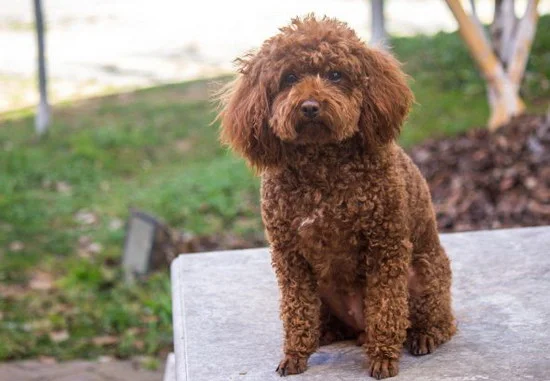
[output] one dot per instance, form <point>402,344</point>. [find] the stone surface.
<point>76,371</point>
<point>170,368</point>
<point>226,324</point>
<point>139,243</point>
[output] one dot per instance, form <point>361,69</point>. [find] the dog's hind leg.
<point>432,321</point>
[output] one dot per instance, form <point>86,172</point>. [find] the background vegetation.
<point>64,200</point>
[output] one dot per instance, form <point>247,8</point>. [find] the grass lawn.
<point>64,200</point>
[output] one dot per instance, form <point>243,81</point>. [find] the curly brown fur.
<point>349,217</point>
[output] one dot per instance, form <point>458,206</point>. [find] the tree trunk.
<point>502,63</point>
<point>503,29</point>
<point>43,112</point>
<point>520,45</point>
<point>379,35</point>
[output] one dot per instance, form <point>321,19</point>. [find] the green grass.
<point>154,150</point>
<point>63,199</point>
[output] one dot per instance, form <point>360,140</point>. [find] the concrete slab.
<point>170,368</point>
<point>226,321</point>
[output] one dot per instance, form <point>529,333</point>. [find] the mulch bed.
<point>478,180</point>
<point>483,180</point>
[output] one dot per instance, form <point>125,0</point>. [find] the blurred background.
<point>129,84</point>
<point>104,46</point>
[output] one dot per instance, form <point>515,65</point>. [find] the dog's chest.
<point>330,243</point>
<point>326,220</point>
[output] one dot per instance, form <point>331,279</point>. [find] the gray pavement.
<point>34,370</point>
<point>226,324</point>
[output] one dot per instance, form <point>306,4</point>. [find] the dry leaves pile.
<point>483,180</point>
<point>170,242</point>
<point>479,180</point>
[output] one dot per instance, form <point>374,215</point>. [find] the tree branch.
<point>477,42</point>
<point>503,28</point>
<point>502,94</point>
<point>521,45</point>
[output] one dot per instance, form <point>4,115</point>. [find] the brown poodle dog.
<point>349,217</point>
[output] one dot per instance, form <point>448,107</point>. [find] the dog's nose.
<point>310,108</point>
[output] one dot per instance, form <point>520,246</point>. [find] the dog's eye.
<point>334,76</point>
<point>290,79</point>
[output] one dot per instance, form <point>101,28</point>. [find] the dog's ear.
<point>244,117</point>
<point>386,97</point>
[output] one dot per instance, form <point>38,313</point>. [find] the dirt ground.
<point>35,370</point>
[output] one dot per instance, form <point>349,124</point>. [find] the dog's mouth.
<point>311,127</point>
<point>313,132</point>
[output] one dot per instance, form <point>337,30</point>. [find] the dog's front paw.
<point>292,364</point>
<point>383,368</point>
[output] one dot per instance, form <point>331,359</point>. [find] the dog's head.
<point>315,82</point>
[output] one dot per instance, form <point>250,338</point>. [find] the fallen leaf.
<point>12,290</point>
<point>59,336</point>
<point>16,246</point>
<point>84,217</point>
<point>134,331</point>
<point>86,247</point>
<point>104,359</point>
<point>183,145</point>
<point>63,309</point>
<point>150,319</point>
<point>95,248</point>
<point>102,341</point>
<point>84,241</point>
<point>63,187</point>
<point>41,281</point>
<point>115,224</point>
<point>47,360</point>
